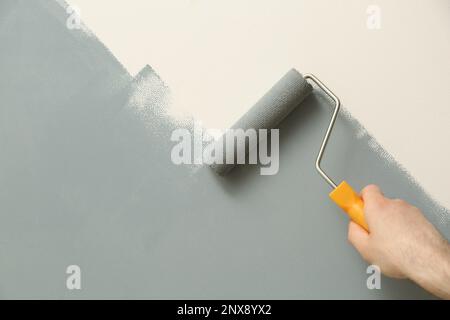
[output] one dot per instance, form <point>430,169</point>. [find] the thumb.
<point>373,201</point>
<point>359,238</point>
<point>372,194</point>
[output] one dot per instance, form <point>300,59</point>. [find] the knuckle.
<point>370,187</point>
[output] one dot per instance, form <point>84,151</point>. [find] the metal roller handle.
<point>330,127</point>
<point>343,194</point>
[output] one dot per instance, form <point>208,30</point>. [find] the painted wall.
<point>86,179</point>
<point>222,55</point>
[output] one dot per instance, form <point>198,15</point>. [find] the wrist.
<point>430,268</point>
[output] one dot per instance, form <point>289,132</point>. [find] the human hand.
<point>402,242</point>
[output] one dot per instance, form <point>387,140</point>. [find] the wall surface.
<point>86,179</point>
<point>220,56</point>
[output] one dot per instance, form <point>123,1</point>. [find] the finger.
<point>359,238</point>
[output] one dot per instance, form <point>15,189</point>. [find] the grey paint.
<point>86,179</point>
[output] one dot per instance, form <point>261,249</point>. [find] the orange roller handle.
<point>350,201</point>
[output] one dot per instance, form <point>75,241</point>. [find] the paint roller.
<point>284,97</point>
